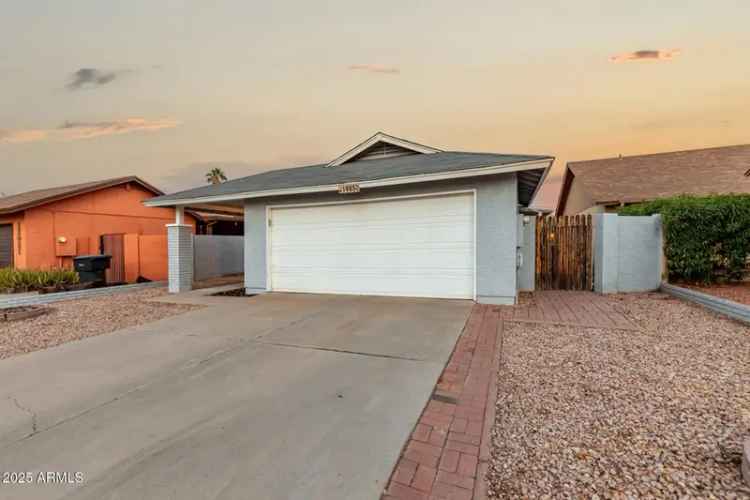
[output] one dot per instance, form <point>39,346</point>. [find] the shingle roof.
<point>647,177</point>
<point>357,171</point>
<point>29,199</point>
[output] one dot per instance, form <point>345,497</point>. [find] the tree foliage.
<point>706,237</point>
<point>215,176</point>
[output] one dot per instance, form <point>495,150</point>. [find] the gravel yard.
<point>597,413</point>
<point>77,319</point>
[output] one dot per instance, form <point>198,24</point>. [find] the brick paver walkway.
<point>446,456</point>
<point>562,307</point>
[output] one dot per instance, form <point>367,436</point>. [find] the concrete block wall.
<point>627,253</point>
<point>218,255</point>
<point>180,244</point>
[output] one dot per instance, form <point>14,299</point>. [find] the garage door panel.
<point>413,247</point>
<point>412,285</point>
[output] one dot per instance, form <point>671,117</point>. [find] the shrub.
<point>705,236</point>
<point>35,279</point>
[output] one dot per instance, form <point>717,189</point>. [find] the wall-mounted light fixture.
<point>62,240</point>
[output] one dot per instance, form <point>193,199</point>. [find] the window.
<point>18,238</point>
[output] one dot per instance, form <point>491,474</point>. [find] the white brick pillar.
<point>180,245</point>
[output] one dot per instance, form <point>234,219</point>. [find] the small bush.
<point>705,236</point>
<point>35,279</point>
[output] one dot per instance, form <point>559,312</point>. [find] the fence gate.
<point>564,253</point>
<point>113,244</point>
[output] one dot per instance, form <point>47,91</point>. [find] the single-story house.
<point>604,185</point>
<point>46,228</point>
<point>387,217</point>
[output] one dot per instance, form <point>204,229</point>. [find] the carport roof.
<point>401,168</point>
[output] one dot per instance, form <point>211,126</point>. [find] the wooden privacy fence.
<point>564,253</point>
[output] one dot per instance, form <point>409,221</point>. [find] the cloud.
<point>73,131</point>
<point>20,136</point>
<point>93,77</point>
<point>646,55</point>
<point>375,68</point>
<point>88,130</point>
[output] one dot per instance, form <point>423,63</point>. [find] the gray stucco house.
<point>387,217</point>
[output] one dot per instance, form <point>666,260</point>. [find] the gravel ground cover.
<point>738,292</point>
<point>77,319</point>
<point>597,413</point>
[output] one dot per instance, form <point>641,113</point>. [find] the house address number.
<point>349,188</point>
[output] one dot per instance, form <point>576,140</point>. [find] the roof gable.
<point>35,198</point>
<point>380,146</point>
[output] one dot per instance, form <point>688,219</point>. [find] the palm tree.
<point>215,176</point>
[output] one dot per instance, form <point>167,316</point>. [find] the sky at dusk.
<point>166,90</point>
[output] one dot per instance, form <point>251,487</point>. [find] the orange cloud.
<point>21,136</point>
<point>374,68</point>
<point>73,131</point>
<point>646,55</point>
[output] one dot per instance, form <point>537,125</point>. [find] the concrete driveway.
<point>275,396</point>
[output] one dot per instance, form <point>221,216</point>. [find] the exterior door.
<point>6,245</point>
<point>417,247</point>
<point>113,244</point>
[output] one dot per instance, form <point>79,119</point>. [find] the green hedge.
<point>35,279</point>
<point>707,237</point>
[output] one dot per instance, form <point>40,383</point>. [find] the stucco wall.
<point>578,200</point>
<point>496,221</point>
<point>82,220</point>
<point>627,253</point>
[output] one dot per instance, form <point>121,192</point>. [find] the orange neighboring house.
<point>46,228</point>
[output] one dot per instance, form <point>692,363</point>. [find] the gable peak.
<point>382,145</point>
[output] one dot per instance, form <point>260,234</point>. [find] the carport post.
<point>180,249</point>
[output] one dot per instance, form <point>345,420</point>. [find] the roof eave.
<point>104,185</point>
<point>536,164</point>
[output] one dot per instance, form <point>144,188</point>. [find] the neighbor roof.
<point>647,177</point>
<point>361,171</point>
<point>29,199</point>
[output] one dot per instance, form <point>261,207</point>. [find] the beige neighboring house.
<point>604,185</point>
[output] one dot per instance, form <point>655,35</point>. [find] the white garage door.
<point>415,247</point>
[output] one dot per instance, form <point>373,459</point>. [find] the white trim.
<point>368,200</point>
<point>411,179</point>
<point>381,137</point>
<point>438,194</point>
<point>476,244</point>
<point>268,248</point>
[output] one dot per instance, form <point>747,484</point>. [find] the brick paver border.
<point>447,454</point>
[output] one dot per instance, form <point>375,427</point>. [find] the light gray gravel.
<point>593,413</point>
<point>77,319</point>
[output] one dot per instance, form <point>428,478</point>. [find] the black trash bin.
<point>91,268</point>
